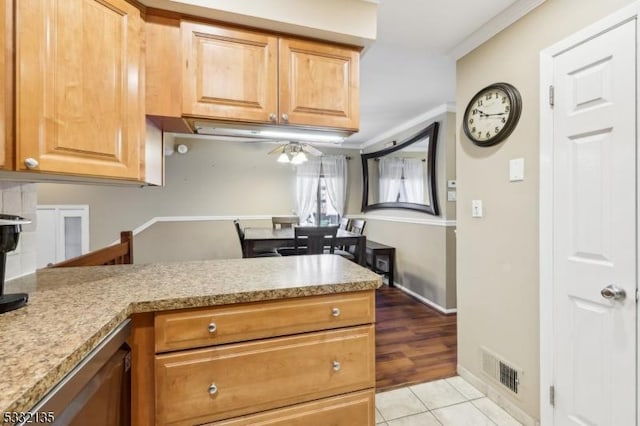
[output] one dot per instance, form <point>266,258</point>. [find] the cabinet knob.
<point>31,163</point>
<point>213,389</point>
<point>212,327</point>
<point>336,366</point>
<point>285,117</point>
<point>273,117</point>
<point>335,312</point>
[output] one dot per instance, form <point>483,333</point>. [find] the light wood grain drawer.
<point>187,329</point>
<point>227,381</point>
<point>354,409</point>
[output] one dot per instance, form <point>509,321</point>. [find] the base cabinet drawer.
<point>223,382</point>
<point>356,409</point>
<point>187,329</point>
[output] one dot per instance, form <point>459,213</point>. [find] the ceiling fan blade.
<point>311,150</point>
<point>279,150</point>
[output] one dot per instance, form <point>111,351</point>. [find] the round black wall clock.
<point>492,114</point>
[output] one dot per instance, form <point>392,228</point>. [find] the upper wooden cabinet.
<point>229,74</point>
<point>6,85</point>
<point>318,84</point>
<point>238,75</point>
<point>80,88</point>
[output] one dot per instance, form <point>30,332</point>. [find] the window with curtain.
<point>321,188</point>
<point>401,180</point>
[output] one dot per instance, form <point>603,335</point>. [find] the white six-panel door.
<point>594,231</point>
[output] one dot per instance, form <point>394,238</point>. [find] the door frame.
<point>547,55</point>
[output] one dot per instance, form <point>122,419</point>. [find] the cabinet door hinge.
<point>552,395</point>
<point>552,96</point>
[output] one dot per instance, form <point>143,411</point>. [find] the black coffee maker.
<point>10,228</point>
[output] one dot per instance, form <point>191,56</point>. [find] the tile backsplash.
<point>21,199</point>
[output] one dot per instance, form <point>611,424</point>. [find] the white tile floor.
<point>447,402</point>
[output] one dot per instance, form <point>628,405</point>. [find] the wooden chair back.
<point>357,226</point>
<point>284,221</point>
<point>240,232</point>
<point>344,224</point>
<point>315,238</point>
<point>118,254</point>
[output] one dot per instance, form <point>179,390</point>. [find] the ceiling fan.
<point>294,152</point>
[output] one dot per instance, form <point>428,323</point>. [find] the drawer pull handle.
<point>335,312</point>
<point>212,327</point>
<point>213,389</point>
<point>336,366</point>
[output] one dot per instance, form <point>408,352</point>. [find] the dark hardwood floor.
<point>414,342</point>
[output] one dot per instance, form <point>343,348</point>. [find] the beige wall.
<point>425,253</point>
<point>213,179</point>
<point>497,255</point>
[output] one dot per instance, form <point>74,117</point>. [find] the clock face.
<point>492,114</point>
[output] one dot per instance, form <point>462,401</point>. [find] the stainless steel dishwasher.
<point>97,391</point>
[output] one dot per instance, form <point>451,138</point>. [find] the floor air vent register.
<point>501,371</point>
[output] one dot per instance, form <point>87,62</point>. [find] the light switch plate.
<point>452,196</point>
<point>516,169</point>
<point>476,208</point>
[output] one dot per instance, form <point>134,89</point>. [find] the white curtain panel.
<point>414,180</point>
<point>390,169</point>
<point>307,179</point>
<point>334,170</point>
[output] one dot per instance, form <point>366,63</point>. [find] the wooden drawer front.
<point>346,410</point>
<point>262,375</point>
<point>189,329</point>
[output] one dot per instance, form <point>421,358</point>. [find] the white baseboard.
<point>426,301</point>
<point>494,395</point>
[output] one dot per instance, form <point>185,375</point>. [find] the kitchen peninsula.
<point>284,309</point>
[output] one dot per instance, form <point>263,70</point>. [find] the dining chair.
<point>257,253</point>
<point>314,239</point>
<point>357,227</point>
<point>344,223</point>
<point>279,222</point>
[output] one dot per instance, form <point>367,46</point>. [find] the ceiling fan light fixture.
<point>299,158</point>
<point>284,158</point>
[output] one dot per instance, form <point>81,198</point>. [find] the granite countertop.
<point>71,309</point>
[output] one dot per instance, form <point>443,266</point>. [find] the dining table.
<point>269,238</point>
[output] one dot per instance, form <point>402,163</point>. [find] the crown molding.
<point>422,118</point>
<point>496,24</point>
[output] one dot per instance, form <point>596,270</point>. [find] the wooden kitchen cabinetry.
<point>229,74</point>
<point>245,76</point>
<point>308,358</point>
<point>319,84</point>
<point>6,85</point>
<point>80,88</point>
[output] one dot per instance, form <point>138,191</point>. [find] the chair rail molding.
<point>448,223</point>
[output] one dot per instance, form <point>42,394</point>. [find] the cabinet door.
<point>229,74</point>
<point>6,85</point>
<point>80,95</point>
<point>319,85</point>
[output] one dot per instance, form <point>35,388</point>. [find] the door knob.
<point>611,292</point>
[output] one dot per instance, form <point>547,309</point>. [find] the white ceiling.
<point>409,69</point>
